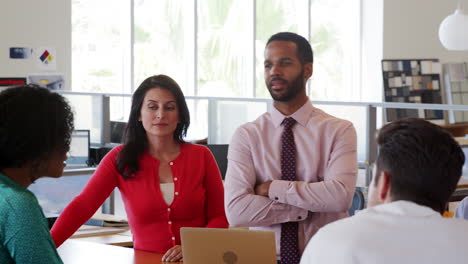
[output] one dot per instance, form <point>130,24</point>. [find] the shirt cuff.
<point>277,193</point>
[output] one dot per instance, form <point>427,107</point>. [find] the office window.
<point>276,16</point>
<point>225,37</point>
<point>211,47</point>
<point>335,38</point>
<point>164,41</point>
<point>99,46</point>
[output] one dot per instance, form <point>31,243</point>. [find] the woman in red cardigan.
<point>165,183</point>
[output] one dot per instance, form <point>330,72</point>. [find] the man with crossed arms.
<point>292,170</point>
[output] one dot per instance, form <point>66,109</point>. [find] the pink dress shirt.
<point>326,173</point>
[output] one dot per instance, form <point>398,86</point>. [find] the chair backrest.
<point>220,153</point>
<point>359,201</point>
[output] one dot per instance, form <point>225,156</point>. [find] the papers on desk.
<point>107,220</point>
<point>106,223</point>
<point>88,231</point>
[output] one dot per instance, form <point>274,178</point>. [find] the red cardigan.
<point>198,198</point>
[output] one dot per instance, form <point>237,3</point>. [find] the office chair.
<point>358,202</point>
<point>220,153</point>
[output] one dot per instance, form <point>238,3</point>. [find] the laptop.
<point>227,246</point>
<point>78,155</point>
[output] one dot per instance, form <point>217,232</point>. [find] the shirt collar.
<point>302,115</point>
<point>405,208</point>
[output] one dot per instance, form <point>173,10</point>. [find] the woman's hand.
<point>173,254</point>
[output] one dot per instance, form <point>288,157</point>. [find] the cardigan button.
<point>168,209</point>
<point>175,179</point>
<point>176,193</point>
<point>171,163</point>
<point>173,238</point>
<point>170,222</point>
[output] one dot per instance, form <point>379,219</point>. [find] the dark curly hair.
<point>34,124</point>
<point>135,141</point>
<point>424,162</point>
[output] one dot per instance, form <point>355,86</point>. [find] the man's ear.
<point>383,186</point>
<point>308,70</point>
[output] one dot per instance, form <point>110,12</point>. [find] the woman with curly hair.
<point>35,131</point>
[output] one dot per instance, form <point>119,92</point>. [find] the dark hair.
<point>423,160</point>
<point>303,49</point>
<point>135,141</point>
<point>34,123</point>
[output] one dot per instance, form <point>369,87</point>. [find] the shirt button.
<point>171,163</point>
<point>176,193</point>
<point>168,209</point>
<point>300,217</point>
<point>169,222</point>
<point>173,238</point>
<point>175,179</point>
<point>276,198</point>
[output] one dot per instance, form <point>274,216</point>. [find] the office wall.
<point>411,29</point>
<point>35,24</point>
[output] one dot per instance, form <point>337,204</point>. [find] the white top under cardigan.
<point>167,190</point>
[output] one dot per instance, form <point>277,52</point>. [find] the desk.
<point>81,171</point>
<point>80,252</point>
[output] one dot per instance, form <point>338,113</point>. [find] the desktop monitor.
<point>465,166</point>
<point>117,129</point>
<point>78,155</point>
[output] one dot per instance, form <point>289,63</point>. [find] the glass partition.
<point>54,194</point>
<point>357,116</point>
<point>198,129</point>
<point>216,119</point>
<point>226,116</point>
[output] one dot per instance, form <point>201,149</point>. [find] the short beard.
<point>294,89</point>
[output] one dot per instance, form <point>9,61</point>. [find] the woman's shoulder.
<point>194,148</point>
<point>111,155</point>
<point>21,202</point>
<point>196,151</point>
<point>116,150</point>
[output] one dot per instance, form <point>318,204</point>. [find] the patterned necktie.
<point>289,230</point>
